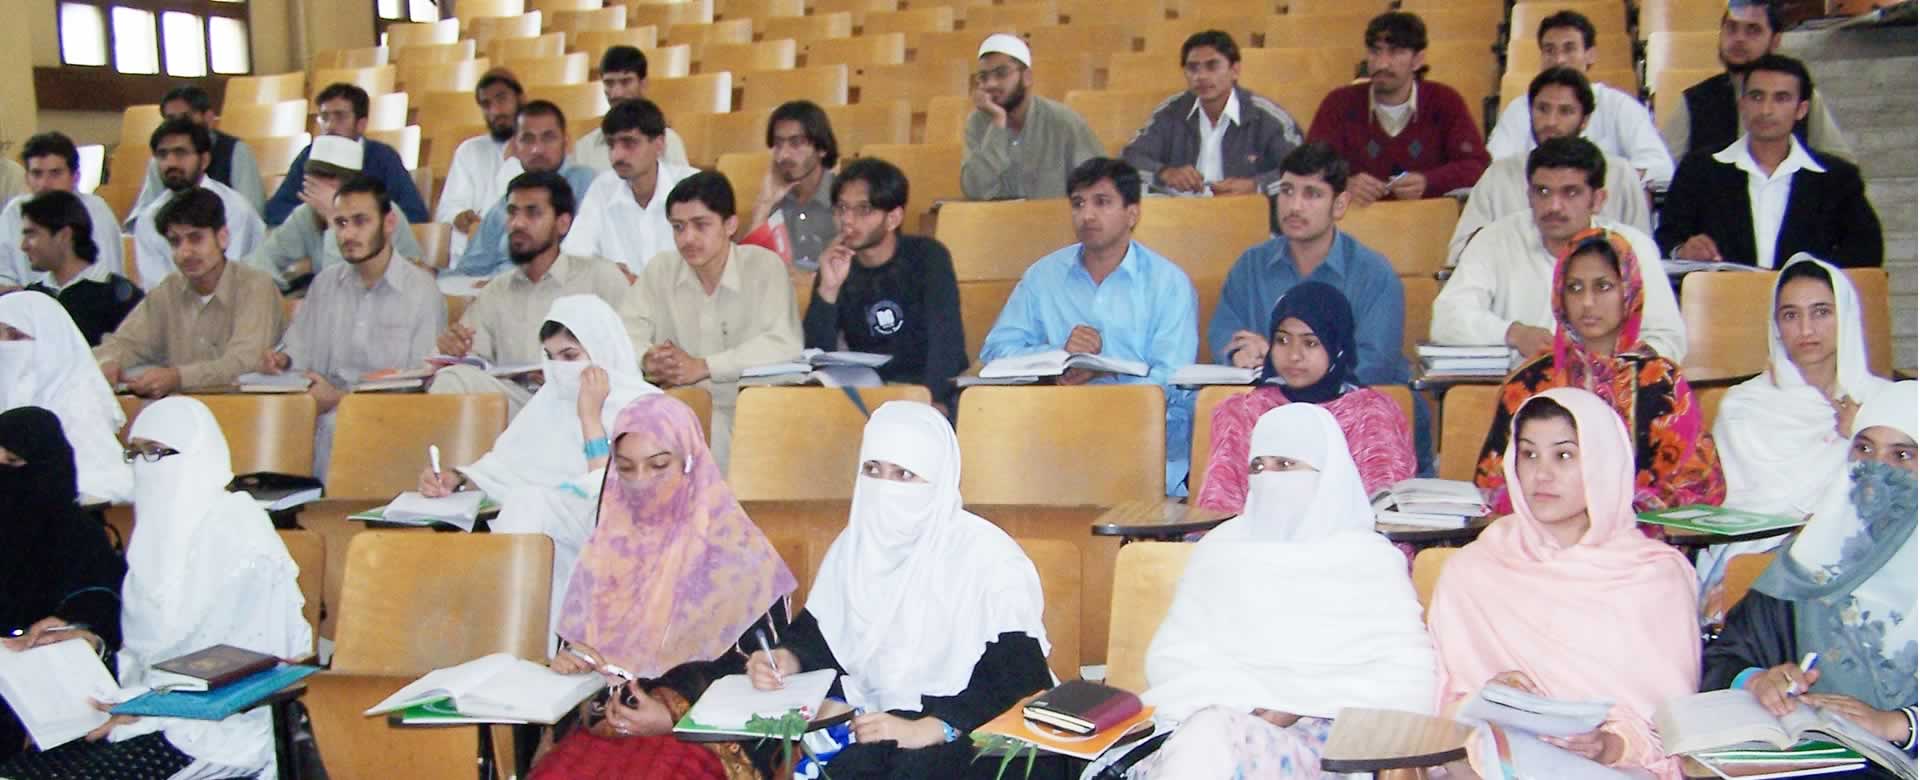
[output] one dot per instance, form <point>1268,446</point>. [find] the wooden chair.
<point>934,170</point>
<point>702,404</point>
<point>1079,12</point>
<point>1609,19</point>
<point>1190,8</point>
<point>825,85</point>
<point>1876,317</point>
<point>266,432</point>
<point>387,112</point>
<point>360,57</point>
<point>1094,39</point>
<point>1690,49</point>
<point>430,77</point>
<point>1167,225</point>
<point>772,424</point>
<point>593,19</point>
<point>782,54</point>
<point>1418,293</point>
<point>1020,17</point>
<point>309,552</point>
<point>1165,37</point>
<point>945,45</point>
<point>1742,570</point>
<point>488,9</point>
<point>548,8</point>
<point>730,31</point>
<point>248,120</point>
<point>947,119</point>
<point>434,239</point>
<point>707,92</point>
<point>1148,72</point>
<point>1144,578</point>
<point>1325,66</point>
<point>1427,565</point>
<point>405,140</point>
<point>1727,320</point>
<point>1658,16</point>
<point>744,170</point>
<point>761,10</point>
<point>1466,415</point>
<point>243,90</point>
<point>1411,233</point>
<point>738,133</point>
<point>527,48</point>
<point>934,19</point>
<point>916,82</point>
<point>1204,403</point>
<point>380,441</point>
<point>1514,85</point>
<point>867,123</point>
<point>565,70</point>
<point>1708,400</point>
<point>1092,444</point>
<point>858,9</point>
<point>1000,239</point>
<point>980,303</point>
<point>669,62</point>
<point>1116,116</point>
<point>1667,87</point>
<point>596,42</point>
<point>276,153</point>
<point>1058,563</point>
<point>432,53</point>
<point>809,29</point>
<point>1060,72</point>
<point>486,30</point>
<point>416,33</point>
<point>1479,25</point>
<point>376,81</point>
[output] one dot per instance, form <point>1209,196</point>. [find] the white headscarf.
<point>1296,605</point>
<point>542,447</point>
<point>1820,544</point>
<point>914,589</point>
<point>56,371</point>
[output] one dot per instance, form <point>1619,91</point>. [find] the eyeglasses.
<point>152,455</point>
<point>855,210</point>
<point>994,73</point>
<point>329,117</point>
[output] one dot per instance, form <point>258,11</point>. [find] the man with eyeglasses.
<point>1019,145</point>
<point>183,149</point>
<point>343,112</point>
<point>1217,137</point>
<point>233,163</point>
<point>882,292</point>
<point>304,245</point>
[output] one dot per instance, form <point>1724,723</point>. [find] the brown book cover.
<point>218,665</point>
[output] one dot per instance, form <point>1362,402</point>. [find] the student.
<point>56,568</point>
<point>623,217</point>
<point>1109,295</point>
<point>540,147</point>
<point>799,181</point>
<point>643,599</point>
<point>713,308</point>
<point>1312,360</point>
<point>1748,30</point>
<point>182,149</point>
<point>884,292</point>
<point>306,244</point>
<point>1218,136</point>
<point>53,165</point>
<point>343,112</point>
<point>474,181</point>
<point>46,364</point>
<point>1598,300</point>
<point>375,311</point>
<point>57,237</point>
<point>1563,598</point>
<point>175,605</point>
<point>201,327</point>
<point>1404,136</point>
<point>1344,630</point>
<point>1617,122</point>
<point>623,77</point>
<point>1843,587</point>
<point>1019,145</point>
<point>931,615</point>
<point>1798,199</point>
<point>232,161</point>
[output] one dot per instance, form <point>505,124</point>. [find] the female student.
<point>56,568</point>
<point>547,467</point>
<point>1311,360</point>
<point>931,615</point>
<point>1843,587</point>
<point>45,362</point>
<point>1252,686</point>
<point>1564,597</point>
<point>1597,304</point>
<point>673,586</point>
<point>177,603</point>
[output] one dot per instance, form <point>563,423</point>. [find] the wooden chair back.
<point>431,53</point>
<point>418,33</point>
<point>1094,39</point>
<point>309,552</point>
<point>1668,85</point>
<point>471,10</point>
<point>380,441</point>
<point>857,9</point>
<point>876,49</point>
<point>430,77</point>
<point>729,31</point>
<point>947,119</point>
<point>701,402</point>
<point>817,26</point>
<point>825,85</point>
<point>1205,402</point>
<point>531,47</point>
<point>934,170</point>
<point>980,305</point>
<point>1234,223</point>
<point>1000,239</point>
<point>387,112</point>
<point>1690,16</point>
<point>435,240</point>
<point>933,19</point>
<point>781,54</point>
<point>1144,578</point>
<point>1013,17</point>
<point>759,10</point>
<point>266,432</point>
<point>405,141</point>
<point>1116,116</point>
<point>1092,444</point>
<point>1412,234</point>
<point>1876,316</point>
<point>1147,72</point>
<point>376,80</point>
<point>1427,565</point>
<point>1058,563</point>
<point>916,82</point>
<point>706,93</point>
<point>772,424</point>
<point>595,19</point>
<point>276,153</point>
<point>596,42</point>
<point>243,90</point>
<point>866,123</point>
<point>1683,49</point>
<point>487,30</point>
<point>1418,293</point>
<point>251,120</point>
<point>1742,570</point>
<point>1466,415</point>
<point>565,70</point>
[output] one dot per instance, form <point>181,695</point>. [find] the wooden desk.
<point>1434,537</point>
<point>1171,520</point>
<point>1366,740</point>
<point>1691,540</point>
<point>1439,384</point>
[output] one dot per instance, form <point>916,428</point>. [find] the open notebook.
<point>1733,718</point>
<point>497,688</point>
<point>731,704</point>
<point>48,688</point>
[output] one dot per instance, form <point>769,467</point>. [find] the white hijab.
<point>914,589</point>
<point>1296,605</point>
<point>56,371</point>
<point>542,447</point>
<point>1778,445</point>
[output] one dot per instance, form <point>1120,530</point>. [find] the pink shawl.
<point>1612,617</point>
<point>675,571</point>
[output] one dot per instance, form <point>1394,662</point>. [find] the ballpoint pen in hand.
<point>433,458</point>
<point>771,663</point>
<point>1807,664</point>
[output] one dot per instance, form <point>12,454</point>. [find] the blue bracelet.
<point>952,734</point>
<point>1740,680</point>
<point>599,448</point>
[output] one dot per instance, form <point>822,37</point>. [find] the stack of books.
<point>1438,360</point>
<point>1430,503</point>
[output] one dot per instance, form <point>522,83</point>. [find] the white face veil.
<point>172,497</point>
<point>1301,504</point>
<point>55,370</point>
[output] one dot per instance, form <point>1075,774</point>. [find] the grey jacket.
<point>1252,148</point>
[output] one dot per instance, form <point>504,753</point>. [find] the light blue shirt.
<point>1146,310</point>
<point>486,253</point>
<point>1267,271</point>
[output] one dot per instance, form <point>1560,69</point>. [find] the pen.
<point>433,457</point>
<point>20,632</point>
<point>772,664</point>
<point>1807,664</point>
<point>607,669</point>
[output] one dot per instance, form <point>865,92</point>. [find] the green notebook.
<point>1719,521</point>
<point>1809,752</point>
<point>439,712</point>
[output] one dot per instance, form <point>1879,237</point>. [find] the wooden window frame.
<point>380,25</point>
<point>104,88</point>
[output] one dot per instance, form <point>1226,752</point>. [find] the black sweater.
<point>96,307</point>
<point>908,308</point>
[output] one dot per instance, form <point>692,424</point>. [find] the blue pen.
<point>1807,664</point>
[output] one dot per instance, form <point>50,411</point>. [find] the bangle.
<point>1740,680</point>
<point>598,448</point>
<point>1913,727</point>
<point>950,733</point>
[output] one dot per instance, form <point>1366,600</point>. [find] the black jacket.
<point>1827,214</point>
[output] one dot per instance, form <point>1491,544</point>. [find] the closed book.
<point>217,704</point>
<point>1082,707</point>
<point>208,669</point>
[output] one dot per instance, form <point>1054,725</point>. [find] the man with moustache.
<point>1019,145</point>
<point>540,146</point>
<point>474,181</point>
<point>343,111</point>
<point>304,245</point>
<point>882,292</point>
<point>232,164</point>
<point>623,217</point>
<point>1711,121</point>
<point>57,236</point>
<point>799,179</point>
<point>53,165</point>
<point>1217,137</point>
<point>183,149</point>
<point>375,311</point>
<point>1502,290</point>
<point>623,76</point>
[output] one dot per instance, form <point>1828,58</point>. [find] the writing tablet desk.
<point>1692,540</point>
<point>1170,520</point>
<point>1390,743</point>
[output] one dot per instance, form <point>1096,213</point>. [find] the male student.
<point>541,147</point>
<point>343,112</point>
<point>799,180</point>
<point>474,181</point>
<point>623,217</point>
<point>53,165</point>
<point>623,76</point>
<point>304,244</point>
<point>1562,103</point>
<point>1403,136</point>
<point>1618,123</point>
<point>374,311</point>
<point>1767,197</point>
<point>57,237</point>
<point>232,163</point>
<point>182,149</point>
<point>711,308</point>
<point>1108,295</point>
<point>1019,145</point>
<point>502,324</point>
<point>1216,137</point>
<point>883,292</point>
<point>1502,290</point>
<point>201,327</point>
<point>1711,121</point>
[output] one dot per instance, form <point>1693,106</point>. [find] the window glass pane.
<point>387,9</point>
<point>83,34</point>
<point>136,49</point>
<point>229,45</point>
<point>423,10</point>
<point>186,44</point>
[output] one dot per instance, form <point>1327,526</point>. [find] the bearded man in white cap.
<point>1019,145</point>
<point>305,244</point>
<point>182,149</point>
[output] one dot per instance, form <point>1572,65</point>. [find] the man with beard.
<point>304,245</point>
<point>799,179</point>
<point>183,150</point>
<point>1019,145</point>
<point>53,165</point>
<point>1617,122</point>
<point>882,292</point>
<point>1502,290</point>
<point>1217,137</point>
<point>540,147</point>
<point>623,76</point>
<point>623,217</point>
<point>474,181</point>
<point>204,326</point>
<point>233,163</point>
<point>57,237</point>
<point>343,112</point>
<point>1403,136</point>
<point>375,311</point>
<point>1711,121</point>
<point>502,325</point>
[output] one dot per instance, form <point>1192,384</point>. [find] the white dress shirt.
<point>1768,194</point>
<point>473,183</point>
<point>153,257</point>
<point>1620,126</point>
<point>16,270</point>
<point>1212,134</point>
<point>1502,190</point>
<point>611,225</point>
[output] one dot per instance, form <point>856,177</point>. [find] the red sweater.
<point>1440,142</point>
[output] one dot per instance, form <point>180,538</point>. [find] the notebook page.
<point>731,701</point>
<point>48,687</point>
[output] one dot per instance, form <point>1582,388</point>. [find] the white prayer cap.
<point>338,152</point>
<point>1008,44</point>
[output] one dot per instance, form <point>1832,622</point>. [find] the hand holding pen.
<point>1778,688</point>
<point>768,668</point>
<point>48,631</point>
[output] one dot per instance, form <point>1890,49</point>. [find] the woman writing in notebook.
<point>45,362</point>
<point>1843,587</point>
<point>1597,305</point>
<point>931,614</point>
<point>1311,359</point>
<point>1564,598</point>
